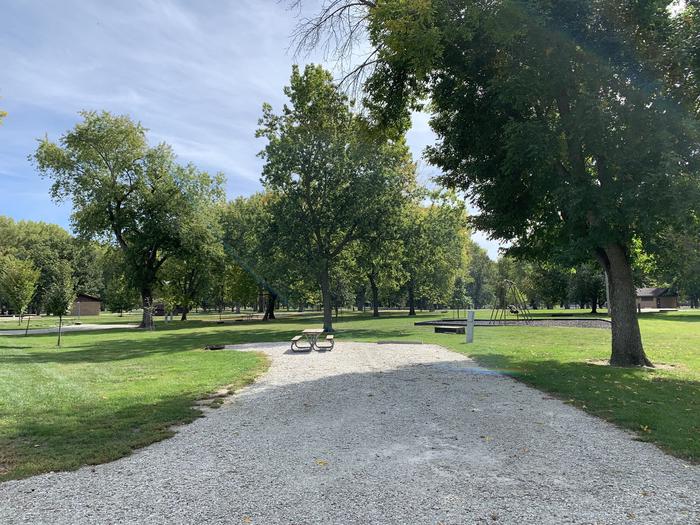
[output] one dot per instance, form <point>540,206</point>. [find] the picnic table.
<point>312,335</point>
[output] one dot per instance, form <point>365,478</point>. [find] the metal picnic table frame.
<point>311,335</point>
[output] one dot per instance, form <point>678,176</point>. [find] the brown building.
<point>656,298</point>
<point>85,305</point>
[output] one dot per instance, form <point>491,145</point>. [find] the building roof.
<point>656,292</point>
<point>81,297</point>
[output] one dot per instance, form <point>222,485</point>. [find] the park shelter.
<point>656,298</point>
<point>85,304</point>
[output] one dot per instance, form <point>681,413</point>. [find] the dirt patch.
<point>657,366</point>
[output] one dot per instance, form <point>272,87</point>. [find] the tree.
<point>380,253</point>
<point>191,271</point>
<point>481,271</point>
<point>120,295</point>
<point>41,243</point>
<point>330,176</point>
<point>460,294</point>
<point>572,126</point>
<point>60,294</point>
<point>18,282</point>
<point>435,239</point>
<point>88,261</point>
<point>242,288</point>
<point>251,243</point>
<point>678,260</point>
<point>381,259</point>
<point>546,282</point>
<point>587,286</point>
<point>124,190</point>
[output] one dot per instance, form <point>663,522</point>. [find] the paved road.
<point>70,328</point>
<point>395,434</point>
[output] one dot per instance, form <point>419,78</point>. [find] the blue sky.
<point>195,73</point>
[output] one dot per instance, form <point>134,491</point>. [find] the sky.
<point>194,73</point>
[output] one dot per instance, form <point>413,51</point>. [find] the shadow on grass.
<point>175,337</point>
<point>87,435</point>
<point>97,433</point>
<point>693,317</point>
<point>161,342</point>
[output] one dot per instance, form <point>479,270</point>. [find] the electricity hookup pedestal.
<point>470,326</point>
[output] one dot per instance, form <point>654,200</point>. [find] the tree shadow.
<point>72,436</point>
<point>439,395</point>
<point>172,338</point>
<point>85,349</point>
<point>657,405</point>
<point>692,317</point>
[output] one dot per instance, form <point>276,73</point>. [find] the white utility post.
<point>470,326</point>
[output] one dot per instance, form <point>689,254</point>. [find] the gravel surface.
<point>376,434</point>
<point>568,323</point>
<point>70,328</point>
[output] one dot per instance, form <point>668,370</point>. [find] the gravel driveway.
<point>370,433</point>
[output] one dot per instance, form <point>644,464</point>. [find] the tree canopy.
<point>333,180</point>
<point>60,293</point>
<point>571,125</point>
<point>18,282</point>
<point>126,191</point>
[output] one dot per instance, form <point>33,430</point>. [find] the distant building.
<point>657,298</point>
<point>85,304</point>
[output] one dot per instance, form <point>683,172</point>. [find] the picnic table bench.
<point>312,335</point>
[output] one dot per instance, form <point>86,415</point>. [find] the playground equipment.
<point>510,302</point>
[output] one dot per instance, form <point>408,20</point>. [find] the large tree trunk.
<point>411,300</point>
<point>183,317</point>
<point>326,294</point>
<point>627,349</point>
<point>594,305</point>
<point>375,295</point>
<point>270,308</point>
<point>147,305</point>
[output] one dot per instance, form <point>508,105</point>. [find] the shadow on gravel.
<point>658,406</point>
<point>94,431</point>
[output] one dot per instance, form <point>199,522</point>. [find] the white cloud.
<point>194,73</point>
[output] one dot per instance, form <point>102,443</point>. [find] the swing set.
<point>510,302</point>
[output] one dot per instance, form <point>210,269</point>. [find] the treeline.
<point>574,144</point>
<point>34,255</point>
<point>341,221</point>
<point>543,285</point>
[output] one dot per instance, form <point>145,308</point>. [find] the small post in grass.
<point>470,326</point>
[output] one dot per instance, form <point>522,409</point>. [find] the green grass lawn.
<point>105,393</point>
<point>48,321</point>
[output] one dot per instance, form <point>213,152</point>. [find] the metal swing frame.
<point>509,301</point>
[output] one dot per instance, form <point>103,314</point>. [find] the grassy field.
<point>47,321</point>
<point>105,393</point>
